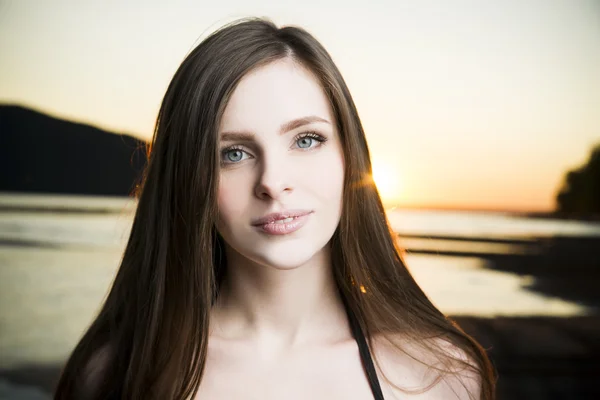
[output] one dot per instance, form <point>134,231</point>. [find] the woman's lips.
<point>282,223</point>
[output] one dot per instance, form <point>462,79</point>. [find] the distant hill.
<point>39,153</point>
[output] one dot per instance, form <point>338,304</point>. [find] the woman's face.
<point>282,168</point>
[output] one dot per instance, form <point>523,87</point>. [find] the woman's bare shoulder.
<point>411,366</point>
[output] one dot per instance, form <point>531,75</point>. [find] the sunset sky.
<point>466,104</point>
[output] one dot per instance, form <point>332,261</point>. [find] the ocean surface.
<point>59,254</point>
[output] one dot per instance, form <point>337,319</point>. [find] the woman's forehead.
<point>274,94</point>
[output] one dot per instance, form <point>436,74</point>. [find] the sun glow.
<point>387,182</point>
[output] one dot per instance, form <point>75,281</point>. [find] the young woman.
<point>260,263</point>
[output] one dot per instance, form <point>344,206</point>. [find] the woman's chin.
<point>285,260</point>
<point>280,254</point>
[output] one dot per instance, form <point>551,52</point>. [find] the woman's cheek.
<point>234,194</point>
<point>328,174</point>
<point>225,197</point>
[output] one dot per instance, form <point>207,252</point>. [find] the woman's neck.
<point>280,307</point>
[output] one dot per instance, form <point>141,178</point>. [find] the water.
<point>56,268</point>
<point>487,225</point>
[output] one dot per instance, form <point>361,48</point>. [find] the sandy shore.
<point>54,260</point>
<point>536,358</point>
<point>541,357</point>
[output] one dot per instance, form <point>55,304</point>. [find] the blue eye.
<point>232,156</point>
<point>309,140</point>
<point>305,142</point>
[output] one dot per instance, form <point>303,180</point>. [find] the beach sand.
<point>536,357</point>
<point>55,270</point>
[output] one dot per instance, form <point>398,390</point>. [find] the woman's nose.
<point>274,178</point>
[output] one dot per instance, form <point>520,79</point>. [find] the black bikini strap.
<point>365,355</point>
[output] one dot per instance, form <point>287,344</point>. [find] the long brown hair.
<point>152,330</point>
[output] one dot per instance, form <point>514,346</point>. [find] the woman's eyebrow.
<point>297,123</point>
<point>242,136</point>
<point>237,137</point>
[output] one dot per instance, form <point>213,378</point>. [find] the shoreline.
<point>71,203</point>
<point>536,358</point>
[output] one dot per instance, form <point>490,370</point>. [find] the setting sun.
<point>387,181</point>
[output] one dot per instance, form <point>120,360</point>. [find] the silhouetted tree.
<point>580,192</point>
